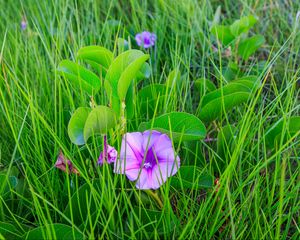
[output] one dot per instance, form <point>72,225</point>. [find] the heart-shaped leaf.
<point>242,25</point>
<point>130,102</point>
<point>129,74</point>
<point>54,231</point>
<point>228,97</point>
<point>79,76</point>
<point>191,177</point>
<point>115,72</point>
<point>117,67</point>
<point>180,125</point>
<point>205,86</point>
<point>96,55</point>
<point>223,34</point>
<point>249,46</point>
<point>76,125</point>
<point>173,78</point>
<point>144,72</point>
<point>289,128</point>
<point>99,121</point>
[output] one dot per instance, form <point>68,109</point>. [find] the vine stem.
<point>155,196</point>
<point>123,118</point>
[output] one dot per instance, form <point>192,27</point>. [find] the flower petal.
<point>131,152</point>
<point>149,138</point>
<point>164,170</point>
<point>145,180</point>
<point>163,143</point>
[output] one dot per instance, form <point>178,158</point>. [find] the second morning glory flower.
<point>148,158</point>
<point>111,155</point>
<point>145,39</point>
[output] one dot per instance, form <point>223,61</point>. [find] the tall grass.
<point>258,195</point>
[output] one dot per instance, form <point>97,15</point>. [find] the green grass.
<point>258,196</point>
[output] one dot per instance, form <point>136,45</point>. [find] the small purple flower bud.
<point>111,155</point>
<point>23,24</point>
<point>62,162</point>
<point>145,39</point>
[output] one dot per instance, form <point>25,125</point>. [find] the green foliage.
<point>99,121</point>
<point>150,96</point>
<point>250,45</point>
<point>234,35</point>
<point>86,122</point>
<point>282,130</point>
<point>99,57</point>
<point>256,196</point>
<point>179,125</point>
<point>224,99</point>
<point>226,140</point>
<point>76,125</point>
<point>155,222</point>
<point>129,74</point>
<point>80,76</point>
<point>205,86</point>
<point>192,177</point>
<point>9,231</point>
<point>223,34</point>
<point>242,25</point>
<point>54,231</point>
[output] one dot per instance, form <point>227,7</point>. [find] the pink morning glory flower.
<point>111,155</point>
<point>145,39</point>
<point>62,162</point>
<point>148,158</point>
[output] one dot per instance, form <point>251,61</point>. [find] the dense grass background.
<point>258,196</point>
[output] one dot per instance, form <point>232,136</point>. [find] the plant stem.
<point>155,196</point>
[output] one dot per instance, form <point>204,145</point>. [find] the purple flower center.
<point>150,160</point>
<point>147,40</point>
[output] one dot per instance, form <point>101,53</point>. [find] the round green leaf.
<point>205,86</point>
<point>129,74</point>
<point>96,54</point>
<point>99,121</point>
<point>114,73</point>
<point>242,25</point>
<point>223,34</point>
<point>130,102</point>
<point>249,46</point>
<point>182,126</point>
<point>76,125</point>
<point>191,177</point>
<point>145,72</point>
<point>56,231</point>
<point>79,76</point>
<point>230,96</point>
<point>173,78</point>
<point>117,67</point>
<point>290,128</point>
